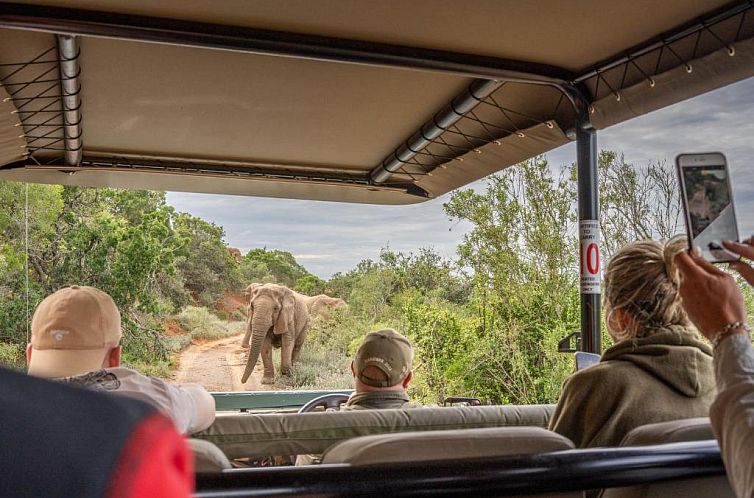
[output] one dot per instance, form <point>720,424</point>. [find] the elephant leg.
<point>298,346</point>
<point>269,368</point>
<point>286,354</point>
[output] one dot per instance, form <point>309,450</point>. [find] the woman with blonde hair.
<point>658,368</point>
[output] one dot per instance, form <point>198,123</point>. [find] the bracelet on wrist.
<point>727,330</point>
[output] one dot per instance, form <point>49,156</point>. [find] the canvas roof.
<point>174,96</point>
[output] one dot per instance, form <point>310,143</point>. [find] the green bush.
<point>320,368</point>
<point>201,324</point>
<point>12,356</point>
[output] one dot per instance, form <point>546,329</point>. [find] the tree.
<point>428,272</point>
<point>280,265</point>
<point>521,253</point>
<point>310,285</point>
<point>119,241</point>
<point>207,267</point>
<point>636,203</point>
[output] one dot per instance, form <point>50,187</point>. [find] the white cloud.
<point>332,237</point>
<point>306,257</point>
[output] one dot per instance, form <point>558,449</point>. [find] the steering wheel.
<point>332,400</point>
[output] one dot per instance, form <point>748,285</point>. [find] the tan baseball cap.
<point>387,350</point>
<point>71,332</point>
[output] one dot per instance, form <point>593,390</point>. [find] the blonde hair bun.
<point>672,248</point>
<point>641,279</point>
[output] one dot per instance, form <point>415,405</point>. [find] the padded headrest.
<point>676,431</point>
<point>208,457</point>
<point>254,435</point>
<point>445,445</point>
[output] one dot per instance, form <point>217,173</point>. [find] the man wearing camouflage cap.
<point>382,372</point>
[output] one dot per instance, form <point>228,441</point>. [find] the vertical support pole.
<point>589,237</point>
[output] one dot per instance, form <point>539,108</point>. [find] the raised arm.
<point>715,304</point>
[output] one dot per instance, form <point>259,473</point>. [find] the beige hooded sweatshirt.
<point>667,375</point>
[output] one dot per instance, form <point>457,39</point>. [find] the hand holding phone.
<point>707,200</point>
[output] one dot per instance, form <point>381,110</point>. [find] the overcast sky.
<point>328,237</point>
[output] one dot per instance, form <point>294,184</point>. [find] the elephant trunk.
<point>258,333</point>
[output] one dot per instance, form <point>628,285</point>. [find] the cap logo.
<point>381,361</point>
<point>59,335</point>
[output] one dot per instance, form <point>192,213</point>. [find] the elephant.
<point>277,317</point>
<point>321,304</point>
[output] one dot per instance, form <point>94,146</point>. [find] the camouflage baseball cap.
<point>388,351</point>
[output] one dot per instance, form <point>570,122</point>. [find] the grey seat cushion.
<point>445,445</point>
<point>208,457</point>
<point>676,431</point>
<point>254,435</point>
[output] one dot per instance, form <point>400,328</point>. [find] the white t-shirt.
<point>190,406</point>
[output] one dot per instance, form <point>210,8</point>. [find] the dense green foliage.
<point>205,264</point>
<point>280,267</point>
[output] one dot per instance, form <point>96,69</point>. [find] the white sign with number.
<point>589,256</point>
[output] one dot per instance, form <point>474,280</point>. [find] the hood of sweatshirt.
<point>674,355</point>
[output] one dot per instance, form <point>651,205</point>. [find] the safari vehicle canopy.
<point>352,101</point>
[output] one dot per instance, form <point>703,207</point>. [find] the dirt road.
<point>218,366</point>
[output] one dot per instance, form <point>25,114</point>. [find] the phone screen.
<point>709,210</point>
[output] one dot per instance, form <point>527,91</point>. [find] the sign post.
<point>589,238</point>
<point>589,256</point>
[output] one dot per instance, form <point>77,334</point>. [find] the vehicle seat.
<point>208,458</point>
<point>691,429</point>
<point>241,435</point>
<point>447,445</point>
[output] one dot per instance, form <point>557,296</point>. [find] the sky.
<point>329,237</point>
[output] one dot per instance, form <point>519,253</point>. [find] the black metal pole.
<point>589,237</point>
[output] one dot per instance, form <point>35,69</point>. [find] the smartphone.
<point>707,200</point>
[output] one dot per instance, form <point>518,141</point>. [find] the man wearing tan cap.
<point>382,372</point>
<point>75,338</point>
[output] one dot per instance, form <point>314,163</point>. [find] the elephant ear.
<point>287,312</point>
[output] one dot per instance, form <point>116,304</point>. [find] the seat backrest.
<point>445,445</point>
<point>676,431</point>
<point>691,429</point>
<point>448,445</point>
<point>256,435</point>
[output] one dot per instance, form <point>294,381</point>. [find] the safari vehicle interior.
<point>368,102</point>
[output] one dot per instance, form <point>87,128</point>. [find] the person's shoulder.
<point>598,374</point>
<point>124,372</point>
